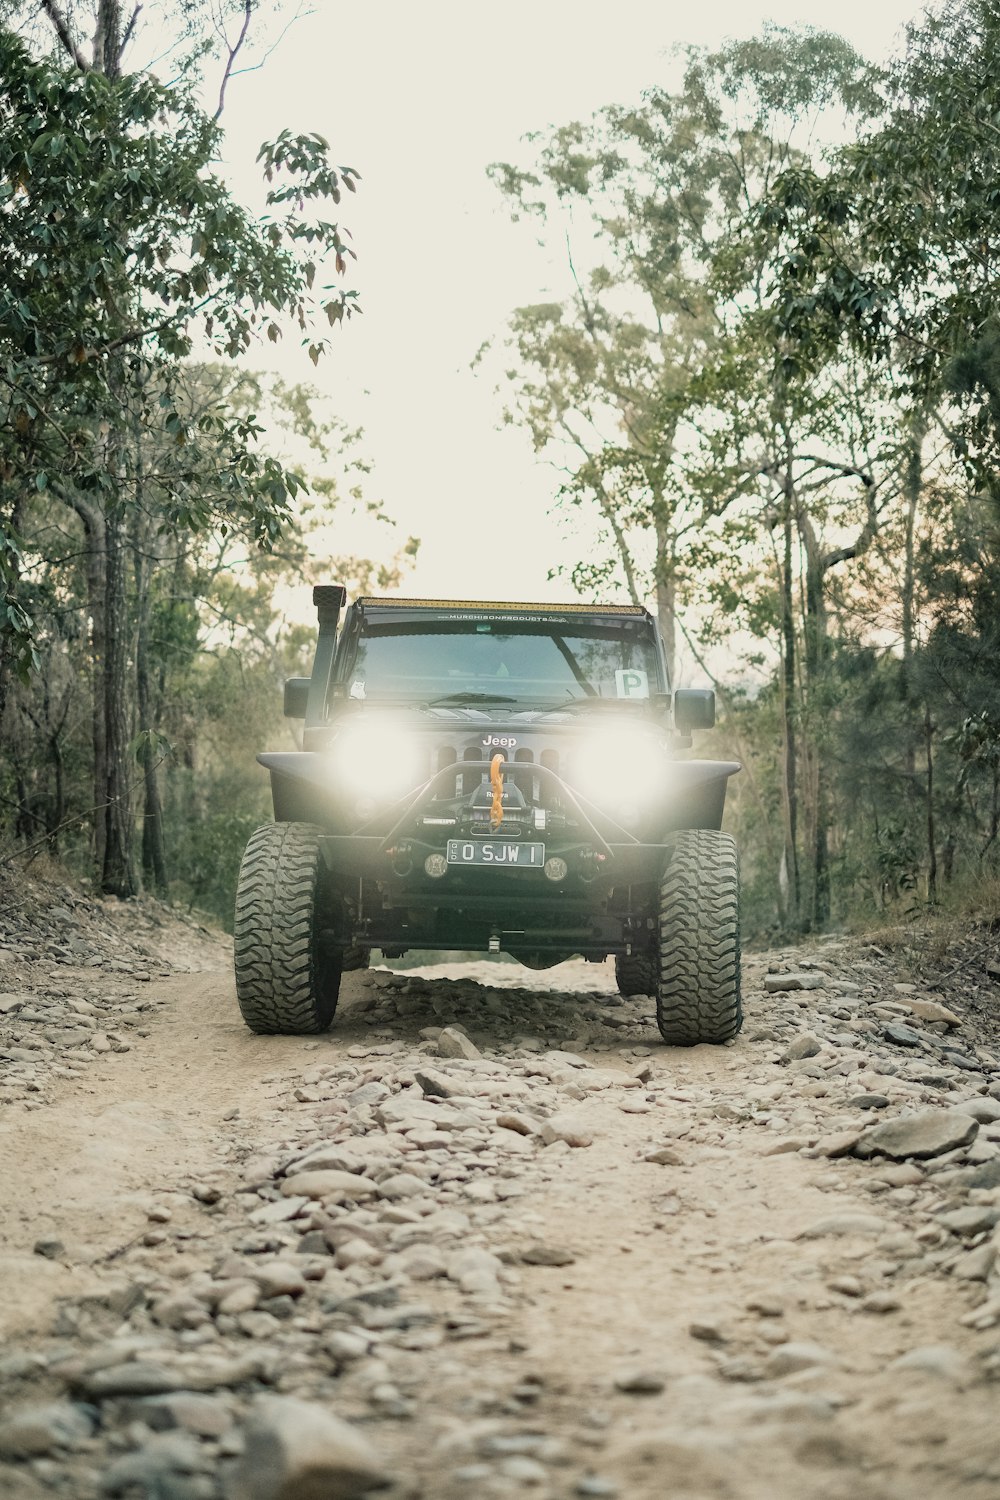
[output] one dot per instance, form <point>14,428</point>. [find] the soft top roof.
<point>502,606</point>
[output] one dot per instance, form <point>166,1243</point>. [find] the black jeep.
<point>499,778</point>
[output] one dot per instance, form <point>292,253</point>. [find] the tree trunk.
<point>108,38</point>
<point>119,875</point>
<point>931,831</point>
<point>912,485</point>
<point>666,597</point>
<point>154,858</point>
<point>816,660</point>
<point>95,538</point>
<point>11,507</point>
<point>788,695</point>
<point>59,800</point>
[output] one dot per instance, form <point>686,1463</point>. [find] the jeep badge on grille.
<point>499,741</point>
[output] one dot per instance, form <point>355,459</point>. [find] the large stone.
<point>926,1133</point>
<point>975,1219</point>
<point>342,1186</point>
<point>135,1378</point>
<point>205,1416</point>
<point>297,1450</point>
<point>840,1143</point>
<point>454,1043</point>
<point>793,1358</point>
<point>29,1431</point>
<point>802,1046</point>
<point>328,1156</point>
<point>199,1372</point>
<point>929,1010</point>
<point>435,1084</point>
<point>165,1466</point>
<point>401,1185</point>
<point>976,1265</point>
<point>567,1127</point>
<point>939,1361</point>
<point>902,1036</point>
<point>278,1278</point>
<point>986,1111</point>
<point>844,1225</point>
<point>802,981</point>
<point>540,1253</point>
<point>408,1108</point>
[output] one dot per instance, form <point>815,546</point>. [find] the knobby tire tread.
<point>698,993</point>
<point>635,974</point>
<point>285,984</point>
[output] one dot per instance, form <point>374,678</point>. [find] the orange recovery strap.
<point>496,781</point>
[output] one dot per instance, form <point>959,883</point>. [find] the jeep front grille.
<point>519,772</point>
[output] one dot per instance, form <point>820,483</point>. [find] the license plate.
<point>495,852</point>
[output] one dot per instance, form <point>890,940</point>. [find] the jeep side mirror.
<point>694,708</point>
<point>296,697</point>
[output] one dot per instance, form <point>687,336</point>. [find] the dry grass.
<point>962,932</point>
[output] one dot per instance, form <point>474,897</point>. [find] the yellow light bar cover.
<point>550,609</point>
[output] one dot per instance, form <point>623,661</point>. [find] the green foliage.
<point>640,368</point>
<point>775,385</point>
<point>149,515</point>
<point>892,249</point>
<point>121,247</point>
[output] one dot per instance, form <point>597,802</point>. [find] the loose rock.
<point>297,1450</point>
<point>927,1133</point>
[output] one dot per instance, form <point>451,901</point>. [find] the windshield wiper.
<point>570,705</point>
<point>469,698</point>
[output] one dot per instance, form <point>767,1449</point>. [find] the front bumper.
<point>394,846</point>
<point>604,903</point>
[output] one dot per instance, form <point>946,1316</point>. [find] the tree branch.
<point>838,468</point>
<point>233,54</point>
<point>64,34</point>
<point>127,33</point>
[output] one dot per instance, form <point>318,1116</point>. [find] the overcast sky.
<point>420,98</point>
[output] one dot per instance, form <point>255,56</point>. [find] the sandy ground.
<point>701,1338</point>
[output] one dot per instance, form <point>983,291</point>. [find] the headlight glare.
<point>377,762</point>
<point>616,766</point>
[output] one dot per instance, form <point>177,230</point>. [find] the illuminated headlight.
<point>620,765</point>
<point>377,763</point>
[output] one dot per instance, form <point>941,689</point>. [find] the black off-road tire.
<point>698,989</point>
<point>355,958</point>
<point>287,978</point>
<point>636,974</point>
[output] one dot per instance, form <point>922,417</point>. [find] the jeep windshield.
<point>533,664</point>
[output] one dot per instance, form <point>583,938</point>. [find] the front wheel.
<point>698,983</point>
<point>287,976</point>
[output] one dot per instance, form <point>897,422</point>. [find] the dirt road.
<point>497,1228</point>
